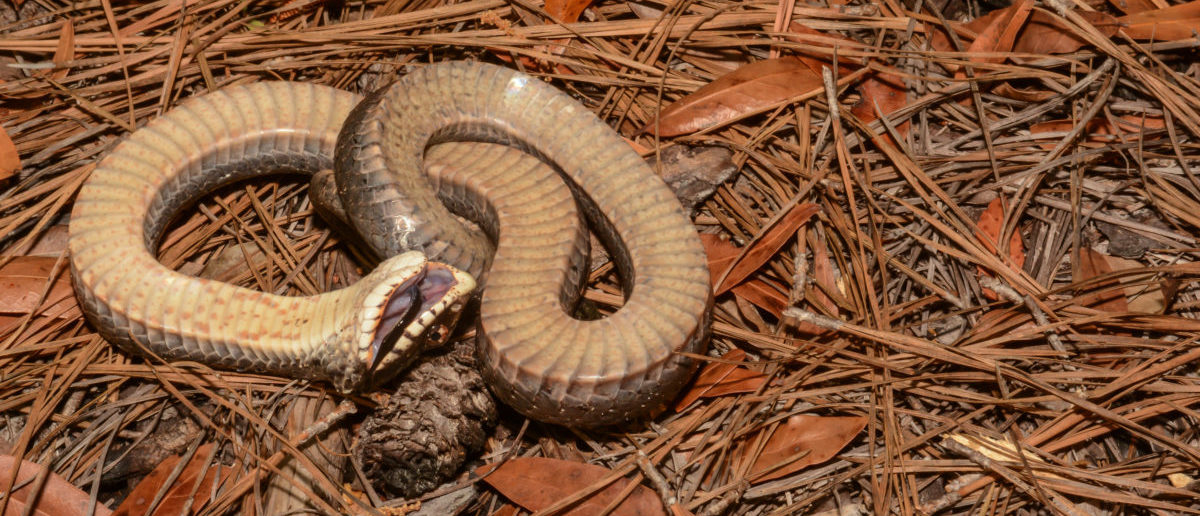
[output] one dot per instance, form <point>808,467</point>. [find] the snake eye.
<point>438,333</point>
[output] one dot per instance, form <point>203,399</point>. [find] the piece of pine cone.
<point>440,414</point>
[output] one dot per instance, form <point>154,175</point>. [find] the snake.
<point>458,175</point>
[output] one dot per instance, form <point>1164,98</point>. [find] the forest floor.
<point>953,272</point>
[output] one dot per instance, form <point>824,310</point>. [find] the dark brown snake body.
<point>427,140</point>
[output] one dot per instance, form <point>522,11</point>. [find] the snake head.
<point>412,305</point>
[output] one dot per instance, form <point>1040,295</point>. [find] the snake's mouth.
<point>419,314</point>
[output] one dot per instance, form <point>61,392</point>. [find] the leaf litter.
<point>857,361</point>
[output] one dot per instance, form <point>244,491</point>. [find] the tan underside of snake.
<point>400,152</point>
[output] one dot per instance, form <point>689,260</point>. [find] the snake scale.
<point>453,139</point>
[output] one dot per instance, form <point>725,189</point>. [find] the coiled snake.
<point>431,138</point>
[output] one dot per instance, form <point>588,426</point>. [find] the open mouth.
<point>412,314</point>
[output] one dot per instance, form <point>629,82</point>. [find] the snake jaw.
<point>412,307</point>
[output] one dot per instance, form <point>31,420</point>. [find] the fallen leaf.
<point>747,90</point>
<point>821,437</point>
<point>566,11</point>
<point>722,378</point>
<point>23,280</point>
<point>760,293</point>
<point>1047,34</point>
<point>997,37</point>
<point>537,482</point>
<point>763,294</point>
<point>57,496</point>
<point>10,160</point>
<point>1139,297</point>
<point>1035,95</point>
<point>885,91</point>
<point>52,242</point>
<point>1100,131</point>
<point>1101,297</point>
<point>990,222</point>
<point>1042,33</point>
<point>679,510</point>
<point>65,50</point>
<point>1000,33</point>
<point>183,492</point>
<point>823,276</point>
<point>763,248</point>
<point>814,60</point>
<point>1137,6</point>
<point>1177,22</point>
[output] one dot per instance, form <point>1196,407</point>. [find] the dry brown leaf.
<point>566,11</point>
<point>1100,131</point>
<point>761,250</point>
<point>748,89</point>
<point>990,222</point>
<point>1000,33</point>
<point>1137,6</point>
<point>722,378</point>
<point>1139,298</point>
<point>814,60</point>
<point>887,91</point>
<point>10,160</point>
<point>537,482</point>
<point>57,497</point>
<point>65,50</point>
<point>1042,32</point>
<point>1005,89</point>
<point>761,293</point>
<point>1174,23</point>
<point>679,510</point>
<point>823,275</point>
<point>184,491</point>
<point>23,280</point>
<point>1045,34</point>
<point>821,437</point>
<point>1092,264</point>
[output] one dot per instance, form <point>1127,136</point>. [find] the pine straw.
<point>1098,404</point>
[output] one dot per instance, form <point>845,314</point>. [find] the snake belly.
<point>535,356</point>
<point>353,337</point>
